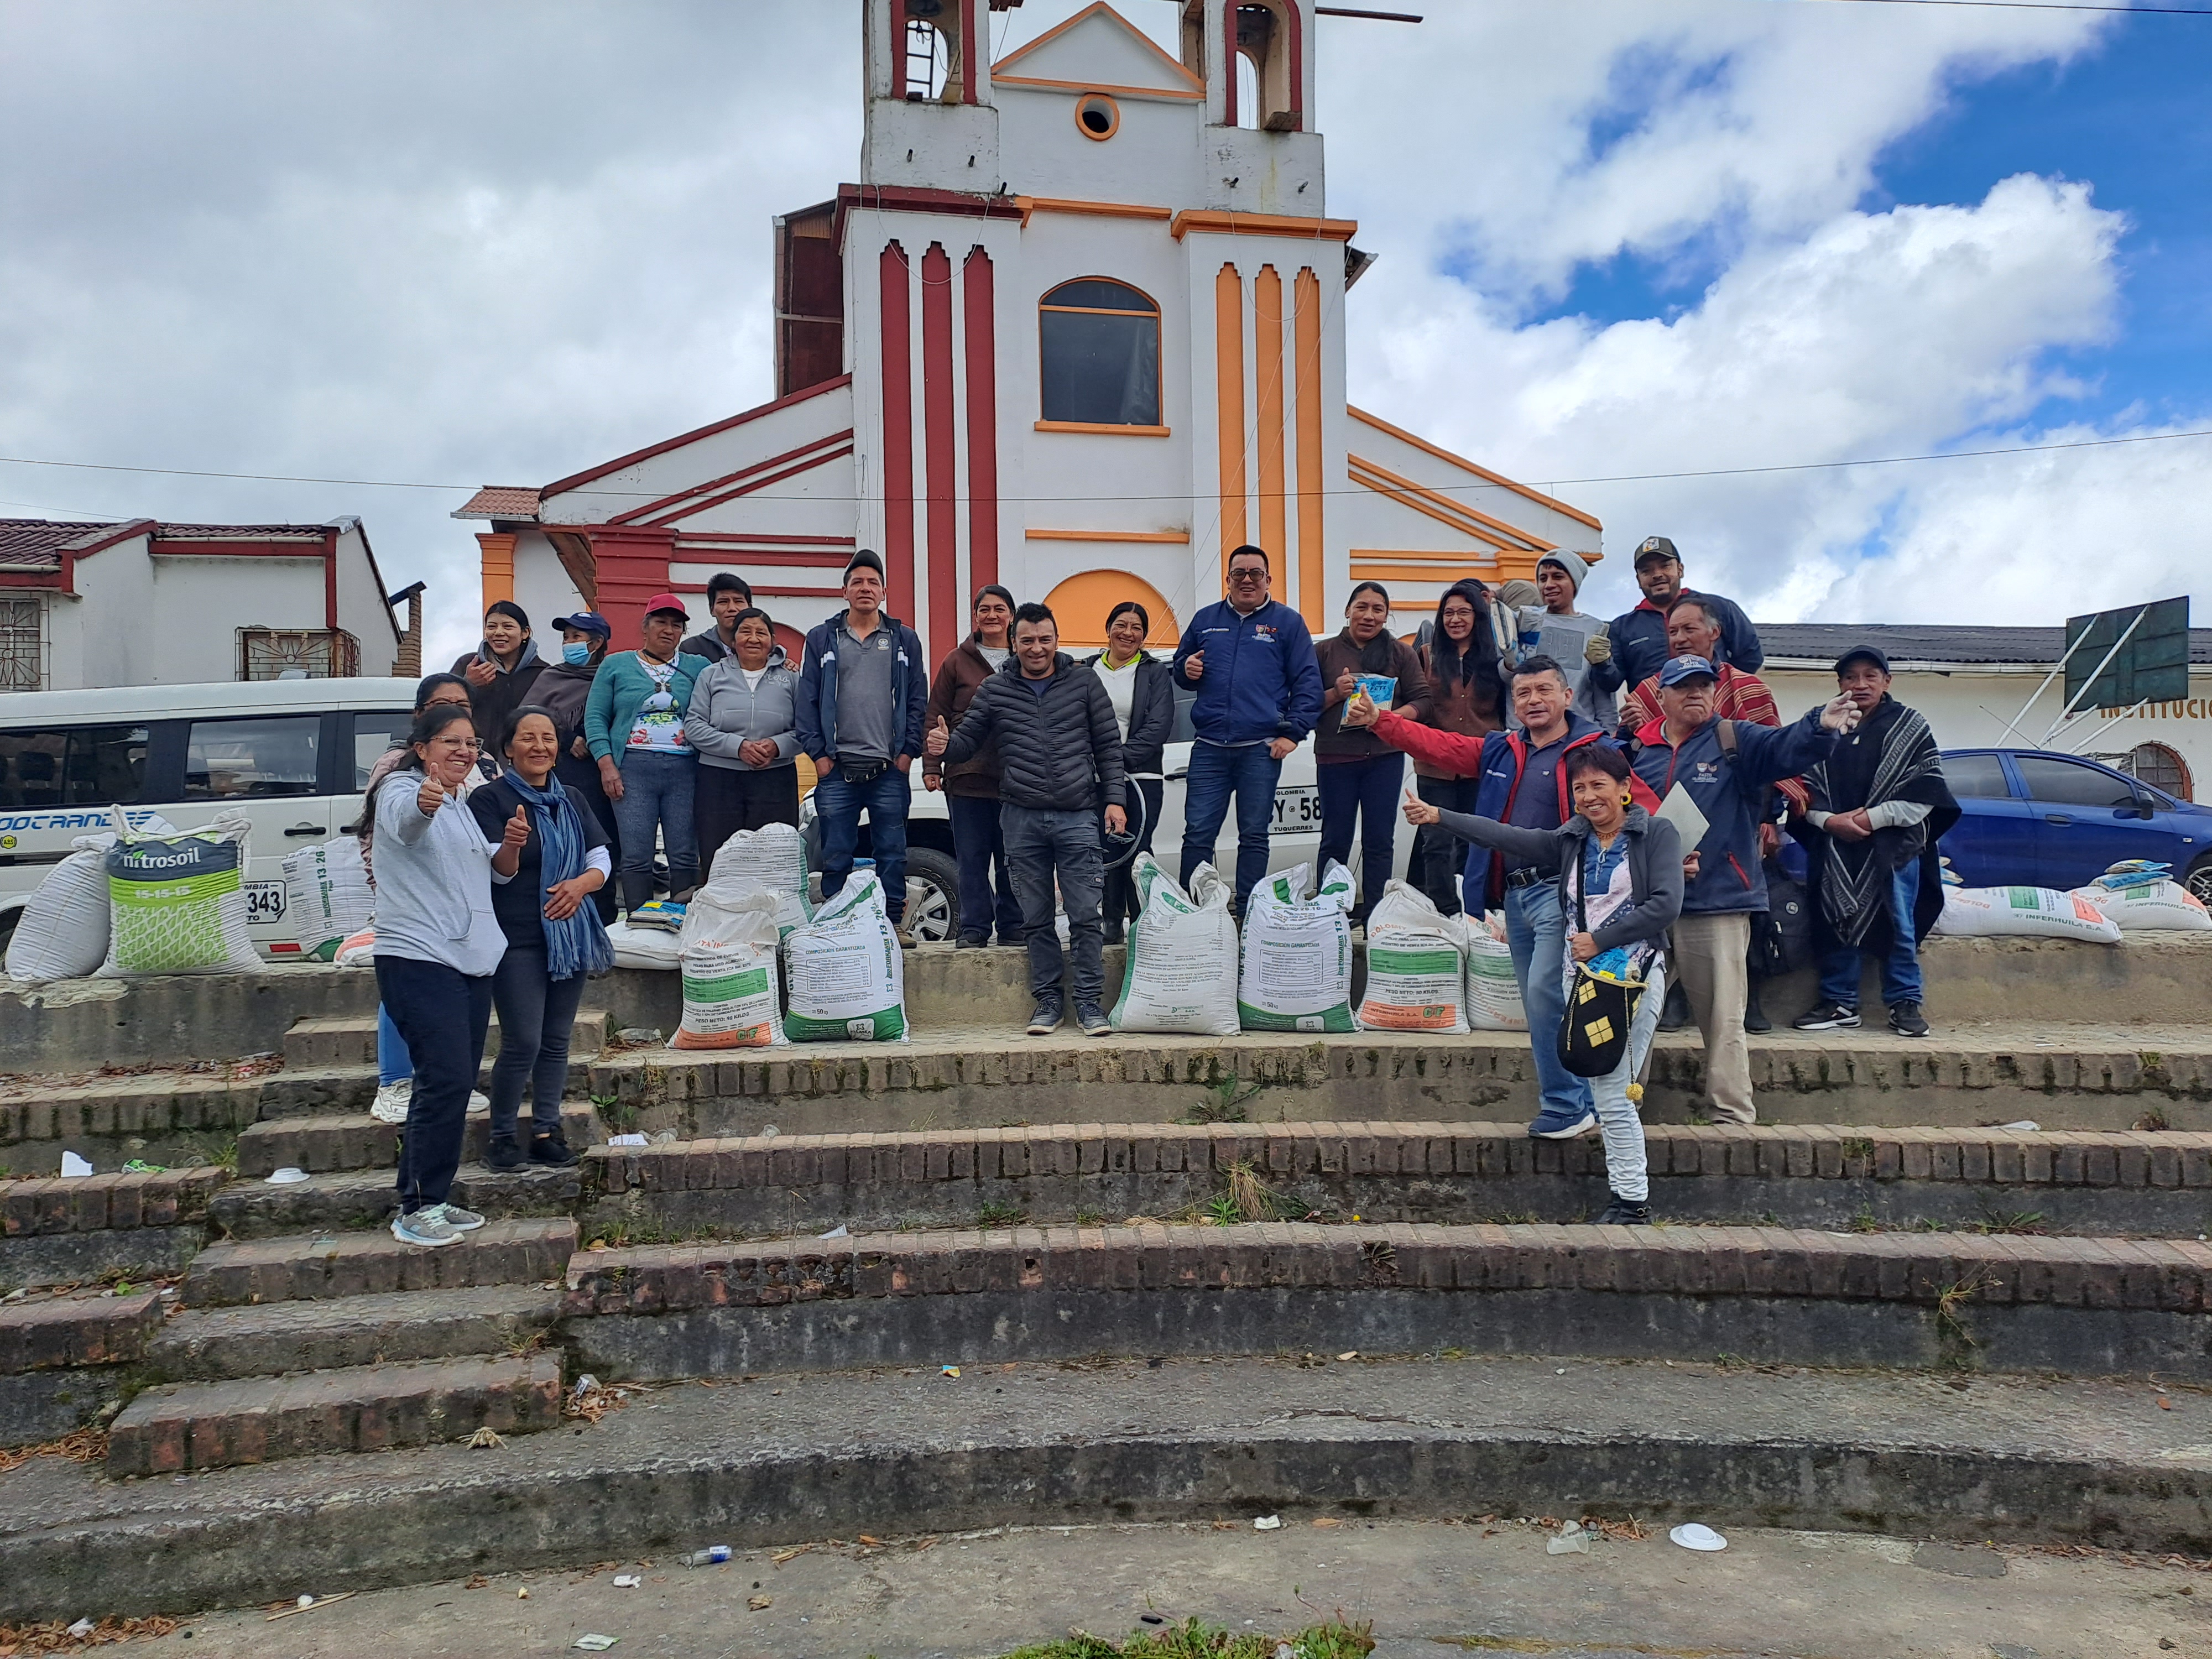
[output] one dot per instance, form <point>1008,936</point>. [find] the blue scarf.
<point>577,945</point>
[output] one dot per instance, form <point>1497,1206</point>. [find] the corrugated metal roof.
<point>1967,647</point>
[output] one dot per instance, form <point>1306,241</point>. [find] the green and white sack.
<point>772,859</point>
<point>176,903</point>
<point>1493,994</point>
<point>2023,913</point>
<point>847,981</point>
<point>1296,969</point>
<point>327,896</point>
<point>729,946</point>
<point>1416,966</point>
<point>1181,972</point>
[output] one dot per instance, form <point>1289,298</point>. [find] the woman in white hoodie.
<point>741,722</point>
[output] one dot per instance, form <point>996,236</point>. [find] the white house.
<point>1080,330</point>
<point>141,603</point>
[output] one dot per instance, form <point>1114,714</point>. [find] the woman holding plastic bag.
<point>541,880</point>
<point>437,946</point>
<point>1620,874</point>
<point>1357,774</point>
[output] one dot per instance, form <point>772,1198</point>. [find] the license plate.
<point>264,901</point>
<point>1298,810</point>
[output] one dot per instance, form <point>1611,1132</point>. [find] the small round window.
<point>1097,116</point>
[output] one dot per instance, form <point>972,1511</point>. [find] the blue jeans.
<point>1536,933</point>
<point>442,1012</point>
<point>977,844</point>
<point>1367,789</point>
<point>393,1064</point>
<point>536,1014</point>
<point>838,804</point>
<point>1216,773</point>
<point>1900,963</point>
<point>1041,845</point>
<point>656,795</point>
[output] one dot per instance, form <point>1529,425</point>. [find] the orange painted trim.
<point>1112,109</point>
<point>1166,62</point>
<point>1482,472</point>
<point>1305,329</point>
<point>1261,224</point>
<point>1515,536</point>
<point>1443,575</point>
<point>1105,429</point>
<point>497,558</point>
<point>1182,536</point>
<point>1448,520</point>
<point>1229,408</point>
<point>1029,204</point>
<point>1103,88</point>
<point>1267,382</point>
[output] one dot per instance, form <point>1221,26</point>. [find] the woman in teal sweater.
<point>634,724</point>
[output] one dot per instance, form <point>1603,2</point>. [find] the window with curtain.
<point>1099,349</point>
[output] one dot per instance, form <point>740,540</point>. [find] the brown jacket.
<point>959,677</point>
<point>1465,706</point>
<point>1336,655</point>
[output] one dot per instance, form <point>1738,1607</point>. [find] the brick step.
<point>350,1040</point>
<point>63,1358</point>
<point>58,1232</point>
<point>315,1267</point>
<point>2077,1077</point>
<point>318,1091</point>
<point>149,1115</point>
<point>319,1144</point>
<point>211,1425</point>
<point>348,1200</point>
<point>1767,1294</point>
<point>1837,1176</point>
<point>218,1343</point>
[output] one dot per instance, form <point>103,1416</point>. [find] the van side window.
<point>251,759</point>
<point>373,734</point>
<point>73,766</point>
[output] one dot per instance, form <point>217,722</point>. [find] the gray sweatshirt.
<point>724,711</point>
<point>433,882</point>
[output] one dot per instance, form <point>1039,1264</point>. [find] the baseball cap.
<point>1656,547</point>
<point>1862,653</point>
<point>1678,669</point>
<point>666,602</point>
<point>586,622</point>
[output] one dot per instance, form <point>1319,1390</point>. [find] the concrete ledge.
<point>361,1264</point>
<point>2050,1461</point>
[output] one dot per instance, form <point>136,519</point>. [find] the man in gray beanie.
<point>1559,575</point>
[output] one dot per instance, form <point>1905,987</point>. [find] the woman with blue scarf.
<point>554,940</point>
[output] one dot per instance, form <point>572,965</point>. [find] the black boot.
<point>1624,1213</point>
<point>1754,1017</point>
<point>1675,1016</point>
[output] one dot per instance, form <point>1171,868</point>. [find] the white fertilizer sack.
<point>644,947</point>
<point>2023,913</point>
<point>2149,907</point>
<point>772,859</point>
<point>1296,969</point>
<point>1181,974</point>
<point>63,932</point>
<point>327,896</point>
<point>1416,966</point>
<point>1493,994</point>
<point>729,948</point>
<point>846,980</point>
<point>176,903</point>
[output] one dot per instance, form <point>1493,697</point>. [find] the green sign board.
<point>2151,666</point>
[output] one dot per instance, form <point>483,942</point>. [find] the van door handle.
<point>2057,817</point>
<point>305,830</point>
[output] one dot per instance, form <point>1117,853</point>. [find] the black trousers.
<point>443,1014</point>
<point>1120,889</point>
<point>725,800</point>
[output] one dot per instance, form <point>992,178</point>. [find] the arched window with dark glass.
<point>1099,349</point>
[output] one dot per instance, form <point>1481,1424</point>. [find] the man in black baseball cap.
<point>1634,644</point>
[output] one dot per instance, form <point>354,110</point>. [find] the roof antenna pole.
<point>2092,680</point>
<point>2012,726</point>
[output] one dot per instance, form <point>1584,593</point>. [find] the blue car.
<point>2030,817</point>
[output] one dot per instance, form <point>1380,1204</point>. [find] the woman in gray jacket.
<point>741,722</point>
<point>1621,873</point>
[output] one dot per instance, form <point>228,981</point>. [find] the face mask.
<point>576,651</point>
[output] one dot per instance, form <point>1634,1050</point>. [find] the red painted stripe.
<point>976,293</point>
<point>898,424</point>
<point>692,436</point>
<point>973,57</point>
<point>750,540</point>
<point>943,631</point>
<point>828,559</point>
<point>331,578</point>
<point>652,509</point>
<point>755,485</point>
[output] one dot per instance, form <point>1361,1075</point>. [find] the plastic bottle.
<point>712,1555</point>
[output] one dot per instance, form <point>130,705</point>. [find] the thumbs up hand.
<point>939,735</point>
<point>1418,811</point>
<point>517,831</point>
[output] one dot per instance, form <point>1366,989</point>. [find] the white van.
<point>293,755</point>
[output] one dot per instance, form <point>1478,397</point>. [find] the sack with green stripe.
<point>848,983</point>
<point>728,957</point>
<point>1297,969</point>
<point>1181,972</point>
<point>176,903</point>
<point>1416,966</point>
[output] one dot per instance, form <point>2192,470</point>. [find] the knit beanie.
<point>1574,564</point>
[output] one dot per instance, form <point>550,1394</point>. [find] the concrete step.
<point>318,1091</point>
<point>2075,1076</point>
<point>2048,1462</point>
<point>218,1344</point>
<point>350,1200</point>
<point>55,1230</point>
<point>211,1425</point>
<point>1839,1177</point>
<point>173,1118</point>
<point>64,1357</point>
<point>1771,1295</point>
<point>316,1268</point>
<point>350,1039</point>
<point>324,1143</point>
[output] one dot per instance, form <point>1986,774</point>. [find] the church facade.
<point>1079,329</point>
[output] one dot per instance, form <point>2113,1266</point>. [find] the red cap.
<point>666,602</point>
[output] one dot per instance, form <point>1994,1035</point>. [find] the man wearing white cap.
<point>1559,577</point>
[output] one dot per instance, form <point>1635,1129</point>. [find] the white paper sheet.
<point>1679,810</point>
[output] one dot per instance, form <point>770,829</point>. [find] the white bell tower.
<point>930,123</point>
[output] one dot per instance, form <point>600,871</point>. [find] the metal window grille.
<point>315,653</point>
<point>22,646</point>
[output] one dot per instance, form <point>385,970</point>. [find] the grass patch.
<point>996,1214</point>
<point>1224,1104</point>
<point>1192,1640</point>
<point>1859,1148</point>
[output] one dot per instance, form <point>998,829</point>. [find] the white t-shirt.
<point>996,655</point>
<point>1121,685</point>
<point>753,677</point>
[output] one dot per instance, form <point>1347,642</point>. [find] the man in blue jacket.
<point>863,686</point>
<point>1258,694</point>
<point>1725,767</point>
<point>1634,644</point>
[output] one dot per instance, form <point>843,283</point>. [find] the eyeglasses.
<point>468,745</point>
<point>1248,574</point>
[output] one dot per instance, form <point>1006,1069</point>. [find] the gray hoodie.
<point>724,711</point>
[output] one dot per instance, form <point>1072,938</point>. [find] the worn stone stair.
<point>358,1141</point>
<point>350,1040</point>
<point>219,1343</point>
<point>350,1199</point>
<point>310,1267</point>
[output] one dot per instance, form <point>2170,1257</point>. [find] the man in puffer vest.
<point>1059,756</point>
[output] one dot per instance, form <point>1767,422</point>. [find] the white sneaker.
<point>461,1220</point>
<point>426,1226</point>
<point>479,1101</point>
<point>390,1104</point>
